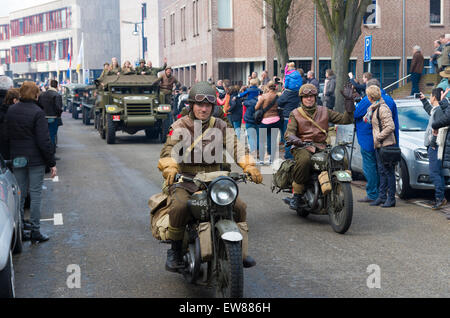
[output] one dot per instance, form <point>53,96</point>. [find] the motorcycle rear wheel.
<point>341,219</point>
<point>230,272</point>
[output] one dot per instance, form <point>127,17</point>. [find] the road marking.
<point>57,219</point>
<point>55,179</point>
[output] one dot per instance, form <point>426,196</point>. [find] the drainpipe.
<point>316,67</point>
<point>404,41</point>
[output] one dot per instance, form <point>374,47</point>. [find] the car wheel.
<point>403,188</point>
<point>18,247</point>
<point>7,279</point>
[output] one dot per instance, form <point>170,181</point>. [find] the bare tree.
<point>342,20</point>
<point>283,15</point>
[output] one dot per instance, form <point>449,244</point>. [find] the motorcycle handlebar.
<point>243,177</point>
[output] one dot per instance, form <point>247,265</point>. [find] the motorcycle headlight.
<point>223,191</point>
<point>338,153</point>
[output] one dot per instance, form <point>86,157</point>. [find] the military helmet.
<point>142,61</point>
<point>202,91</point>
<point>307,90</point>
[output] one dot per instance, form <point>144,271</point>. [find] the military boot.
<point>296,202</point>
<point>174,257</point>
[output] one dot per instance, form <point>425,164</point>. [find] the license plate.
<point>116,118</point>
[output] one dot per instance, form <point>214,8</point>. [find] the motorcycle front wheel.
<point>341,215</point>
<point>230,273</point>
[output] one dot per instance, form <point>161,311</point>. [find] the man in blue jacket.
<point>365,140</point>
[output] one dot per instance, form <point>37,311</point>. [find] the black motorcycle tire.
<point>230,272</point>
<point>301,212</point>
<point>341,220</point>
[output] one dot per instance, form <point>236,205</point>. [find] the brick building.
<point>35,42</point>
<point>205,39</point>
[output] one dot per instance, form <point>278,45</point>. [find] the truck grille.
<point>139,110</point>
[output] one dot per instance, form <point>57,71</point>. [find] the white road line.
<point>57,219</point>
<point>55,179</point>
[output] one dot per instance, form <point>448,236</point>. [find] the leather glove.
<point>254,174</point>
<point>169,169</point>
<point>349,98</point>
<point>169,174</point>
<point>294,141</point>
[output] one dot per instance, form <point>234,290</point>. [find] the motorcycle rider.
<point>202,99</point>
<point>309,123</point>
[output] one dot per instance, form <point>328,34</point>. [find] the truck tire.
<point>110,130</point>
<point>164,131</point>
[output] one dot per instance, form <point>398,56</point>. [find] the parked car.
<point>412,172</point>
<point>10,225</point>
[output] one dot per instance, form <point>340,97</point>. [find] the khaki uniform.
<point>308,132</point>
<point>140,69</point>
<point>115,70</point>
<point>180,193</point>
<point>128,71</point>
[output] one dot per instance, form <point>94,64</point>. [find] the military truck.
<point>131,103</point>
<point>88,104</point>
<point>18,81</point>
<point>72,94</point>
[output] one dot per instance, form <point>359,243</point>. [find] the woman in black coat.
<point>28,136</point>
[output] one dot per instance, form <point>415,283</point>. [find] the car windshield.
<point>138,90</point>
<point>413,118</point>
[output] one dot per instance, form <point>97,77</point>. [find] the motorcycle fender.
<point>342,176</point>
<point>229,231</point>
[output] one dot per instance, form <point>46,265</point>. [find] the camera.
<point>417,95</point>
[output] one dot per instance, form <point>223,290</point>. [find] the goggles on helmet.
<point>309,91</point>
<point>201,97</point>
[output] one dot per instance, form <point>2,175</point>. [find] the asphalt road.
<point>102,196</point>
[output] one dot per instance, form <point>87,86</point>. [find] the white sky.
<point>7,6</point>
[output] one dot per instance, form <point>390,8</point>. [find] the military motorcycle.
<point>212,245</point>
<point>329,173</point>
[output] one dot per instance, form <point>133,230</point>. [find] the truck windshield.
<point>134,90</point>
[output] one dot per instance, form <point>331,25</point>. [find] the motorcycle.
<point>337,202</point>
<point>212,245</point>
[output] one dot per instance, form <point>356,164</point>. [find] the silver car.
<point>10,228</point>
<point>412,172</point>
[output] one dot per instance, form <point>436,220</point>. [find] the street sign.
<point>368,48</point>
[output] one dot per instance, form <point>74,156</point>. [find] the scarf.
<point>370,111</point>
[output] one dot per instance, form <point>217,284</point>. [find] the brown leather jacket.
<point>305,130</point>
<point>264,101</point>
<point>204,156</point>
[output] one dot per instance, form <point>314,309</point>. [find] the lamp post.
<point>135,32</point>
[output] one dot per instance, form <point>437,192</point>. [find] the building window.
<point>372,16</point>
<point>195,17</point>
<point>436,10</point>
<point>183,23</point>
<point>164,31</point>
<point>209,15</point>
<point>386,71</point>
<point>172,29</point>
<point>225,13</point>
<point>264,12</point>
